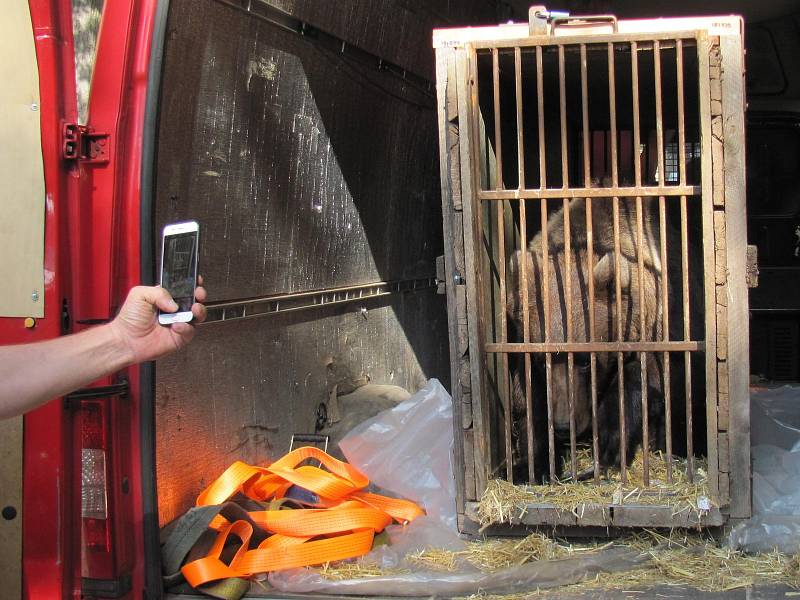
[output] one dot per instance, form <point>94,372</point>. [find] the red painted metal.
<point>46,468</point>
<point>109,257</point>
<point>91,260</point>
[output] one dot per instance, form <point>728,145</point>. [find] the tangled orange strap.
<point>341,525</point>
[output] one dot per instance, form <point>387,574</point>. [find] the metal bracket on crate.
<point>539,19</point>
<point>545,22</point>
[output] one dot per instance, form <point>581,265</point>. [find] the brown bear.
<point>641,317</point>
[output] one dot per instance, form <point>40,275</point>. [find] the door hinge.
<point>83,144</point>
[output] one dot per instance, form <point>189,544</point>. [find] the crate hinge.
<point>83,144</point>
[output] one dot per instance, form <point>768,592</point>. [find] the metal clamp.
<point>545,22</point>
<point>584,21</point>
<point>539,18</point>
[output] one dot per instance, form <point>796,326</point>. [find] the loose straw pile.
<point>503,501</point>
<point>680,560</point>
<point>688,561</point>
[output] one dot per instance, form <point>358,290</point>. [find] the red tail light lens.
<point>101,490</point>
<point>94,476</point>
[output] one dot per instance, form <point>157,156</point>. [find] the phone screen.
<point>178,273</point>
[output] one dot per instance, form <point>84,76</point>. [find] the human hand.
<point>137,330</point>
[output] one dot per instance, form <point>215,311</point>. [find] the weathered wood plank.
<point>707,173</point>
<point>722,331</point>
<point>724,453</point>
<point>448,139</point>
<point>663,516</point>
<point>733,104</point>
<point>606,516</point>
<point>723,418</point>
<point>467,145</point>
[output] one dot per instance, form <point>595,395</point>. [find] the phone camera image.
<point>178,276</point>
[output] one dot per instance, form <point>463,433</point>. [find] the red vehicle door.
<point>70,484</point>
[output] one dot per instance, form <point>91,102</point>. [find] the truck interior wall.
<point>397,30</point>
<point>306,172</point>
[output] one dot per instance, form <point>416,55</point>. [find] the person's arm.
<point>32,374</point>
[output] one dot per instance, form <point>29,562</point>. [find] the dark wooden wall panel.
<point>301,169</point>
<point>305,172</point>
<point>242,388</point>
<point>396,30</point>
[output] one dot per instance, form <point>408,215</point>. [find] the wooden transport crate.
<point>633,131</point>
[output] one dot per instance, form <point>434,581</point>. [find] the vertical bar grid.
<point>523,280</point>
<point>562,95</point>
<point>501,266</point>
<point>643,278</point>
<point>612,104</point>
<point>684,261</point>
<point>498,139</point>
<point>545,266</point>
<point>662,219</point>
<point>587,181</point>
<point>637,170</point>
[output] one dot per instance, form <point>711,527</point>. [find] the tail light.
<point>94,477</point>
<point>102,457</point>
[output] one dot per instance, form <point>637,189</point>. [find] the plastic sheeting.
<point>407,450</point>
<point>775,417</point>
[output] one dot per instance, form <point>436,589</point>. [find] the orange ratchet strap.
<point>341,523</point>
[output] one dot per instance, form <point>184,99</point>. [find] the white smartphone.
<point>179,248</point>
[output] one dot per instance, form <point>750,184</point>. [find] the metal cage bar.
<point>662,221</point>
<point>587,180</point>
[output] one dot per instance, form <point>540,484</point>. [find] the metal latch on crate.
<point>545,22</point>
<point>82,143</point>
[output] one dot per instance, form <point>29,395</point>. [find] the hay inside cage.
<point>503,501</point>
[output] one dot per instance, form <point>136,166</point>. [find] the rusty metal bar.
<point>562,96</point>
<point>662,219</point>
<point>589,192</point>
<point>684,261</point>
<point>558,347</point>
<point>545,262</point>
<point>587,182</point>
<point>540,114</point>
<point>612,105</point>
<point>686,336</point>
<point>637,170</point>
<point>523,279</point>
<point>501,266</point>
<point>498,139</point>
<point>520,122</point>
<point>251,308</point>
